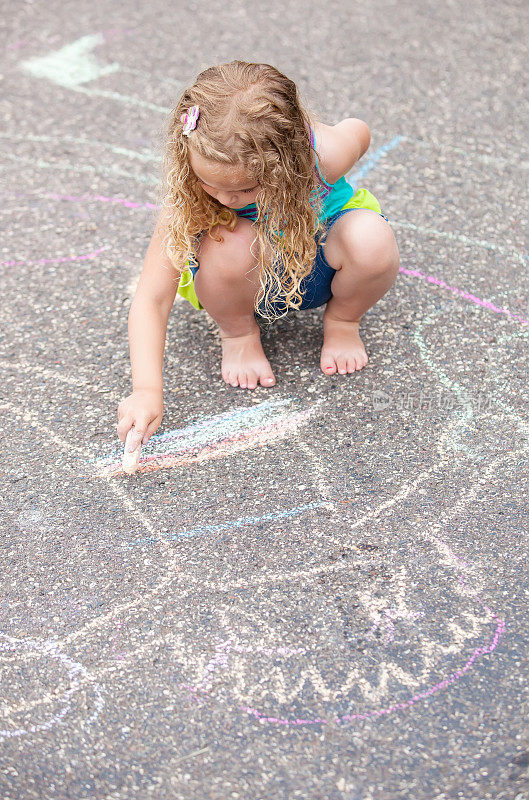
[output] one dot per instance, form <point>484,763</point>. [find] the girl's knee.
<point>371,245</point>
<point>226,252</point>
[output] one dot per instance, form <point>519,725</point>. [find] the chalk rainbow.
<point>215,437</point>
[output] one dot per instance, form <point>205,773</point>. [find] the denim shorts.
<point>315,288</point>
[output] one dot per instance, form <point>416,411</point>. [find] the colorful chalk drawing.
<point>283,681</point>
<point>317,675</point>
<point>214,437</point>
<point>246,659</point>
<point>233,658</point>
<point>262,665</point>
<point>335,693</point>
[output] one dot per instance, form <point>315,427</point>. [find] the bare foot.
<point>244,362</point>
<point>343,349</point>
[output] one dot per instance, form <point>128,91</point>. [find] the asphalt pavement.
<point>317,590</point>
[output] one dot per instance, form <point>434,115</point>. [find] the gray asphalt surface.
<point>317,590</point>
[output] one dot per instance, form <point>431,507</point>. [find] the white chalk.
<point>131,454</point>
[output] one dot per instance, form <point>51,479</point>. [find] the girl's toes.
<point>267,380</point>
<point>328,365</point>
<point>252,380</point>
<point>361,361</point>
<point>341,363</point>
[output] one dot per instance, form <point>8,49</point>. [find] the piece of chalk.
<point>131,454</point>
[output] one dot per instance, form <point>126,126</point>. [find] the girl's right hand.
<point>143,409</point>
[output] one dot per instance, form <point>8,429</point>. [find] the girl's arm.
<point>148,315</point>
<point>149,312</point>
<point>147,332</point>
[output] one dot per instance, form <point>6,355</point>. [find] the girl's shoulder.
<point>330,145</point>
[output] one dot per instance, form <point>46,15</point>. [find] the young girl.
<point>256,219</point>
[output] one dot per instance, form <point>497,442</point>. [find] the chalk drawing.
<point>433,143</point>
<point>91,169</point>
<point>459,237</point>
<point>32,520</point>
<point>58,260</point>
<point>119,656</point>
<point>373,682</point>
<point>400,609</point>
<point>466,413</point>
<point>28,368</point>
<point>27,651</point>
<point>387,614</point>
<point>215,437</point>
<point>16,45</point>
<point>97,198</point>
<point>75,65</point>
<point>146,156</point>
<point>237,650</point>
<point>372,160</point>
<point>72,65</point>
<point>460,632</point>
<point>465,295</point>
<point>283,679</point>
<point>265,578</point>
<point>233,524</point>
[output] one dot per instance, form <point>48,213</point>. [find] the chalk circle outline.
<point>49,648</point>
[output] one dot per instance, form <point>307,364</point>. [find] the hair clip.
<point>190,120</point>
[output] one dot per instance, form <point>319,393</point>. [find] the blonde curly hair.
<point>251,116</point>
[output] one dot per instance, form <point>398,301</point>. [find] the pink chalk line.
<point>102,199</point>
<point>16,45</point>
<point>55,260</point>
<point>466,295</point>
